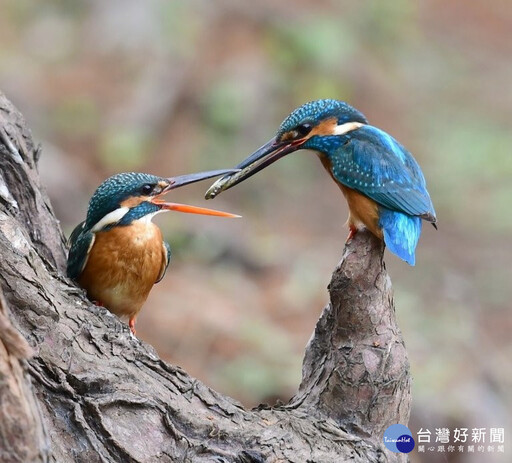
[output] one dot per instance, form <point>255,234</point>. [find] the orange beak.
<point>193,209</point>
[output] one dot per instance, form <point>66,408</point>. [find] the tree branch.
<point>105,396</point>
<point>356,369</point>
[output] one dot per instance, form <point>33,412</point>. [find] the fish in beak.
<point>269,153</point>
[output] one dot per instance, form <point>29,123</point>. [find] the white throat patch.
<point>149,217</point>
<point>110,219</point>
<point>345,128</point>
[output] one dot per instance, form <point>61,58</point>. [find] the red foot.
<point>351,234</point>
<point>98,303</point>
<point>131,324</point>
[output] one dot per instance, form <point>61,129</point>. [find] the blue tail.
<point>401,233</point>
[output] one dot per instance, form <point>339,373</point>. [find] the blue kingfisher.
<point>383,184</point>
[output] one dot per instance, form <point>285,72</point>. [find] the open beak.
<point>269,153</point>
<point>182,180</point>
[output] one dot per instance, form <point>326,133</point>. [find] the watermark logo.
<point>461,440</point>
<point>398,438</point>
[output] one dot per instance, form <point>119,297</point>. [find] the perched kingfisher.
<point>382,183</point>
<point>117,254</point>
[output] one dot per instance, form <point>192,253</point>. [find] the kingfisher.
<point>117,254</point>
<point>383,184</point>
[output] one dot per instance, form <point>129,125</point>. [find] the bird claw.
<point>351,234</point>
<point>131,324</point>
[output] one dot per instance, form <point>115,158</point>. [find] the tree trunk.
<point>104,396</point>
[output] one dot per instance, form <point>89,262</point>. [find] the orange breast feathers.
<point>363,211</point>
<point>124,264</point>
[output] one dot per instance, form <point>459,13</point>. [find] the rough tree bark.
<point>91,393</point>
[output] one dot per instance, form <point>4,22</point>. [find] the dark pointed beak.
<point>182,180</point>
<point>267,154</point>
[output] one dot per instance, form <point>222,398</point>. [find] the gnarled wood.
<point>22,435</point>
<point>107,397</point>
<point>356,369</point>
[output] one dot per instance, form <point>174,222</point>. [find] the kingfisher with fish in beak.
<point>383,184</point>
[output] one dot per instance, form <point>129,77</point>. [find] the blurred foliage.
<point>124,149</point>
<point>170,87</point>
<point>474,160</point>
<point>75,117</point>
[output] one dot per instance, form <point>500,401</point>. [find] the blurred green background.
<point>172,87</point>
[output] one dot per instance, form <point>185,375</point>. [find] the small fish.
<point>245,170</point>
<point>220,185</point>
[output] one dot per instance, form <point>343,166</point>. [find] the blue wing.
<point>166,249</point>
<point>375,164</point>
<point>81,241</point>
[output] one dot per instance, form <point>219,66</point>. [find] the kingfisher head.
<point>313,125</point>
<point>317,118</point>
<point>126,197</point>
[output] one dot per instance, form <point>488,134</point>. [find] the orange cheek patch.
<point>133,201</point>
<point>324,128</point>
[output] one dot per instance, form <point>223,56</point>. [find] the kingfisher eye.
<point>304,129</point>
<point>146,189</point>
